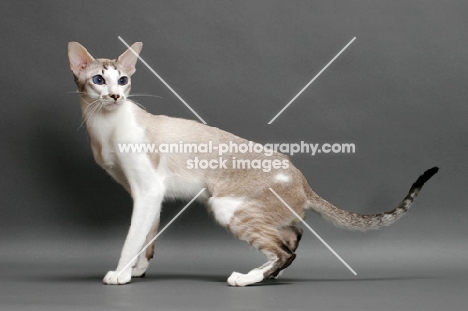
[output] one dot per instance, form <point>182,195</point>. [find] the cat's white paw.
<point>113,278</point>
<point>140,269</point>
<point>232,279</point>
<point>239,279</point>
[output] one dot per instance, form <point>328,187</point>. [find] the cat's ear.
<point>129,58</point>
<point>79,57</point>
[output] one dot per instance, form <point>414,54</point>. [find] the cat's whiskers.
<point>88,106</point>
<point>96,110</point>
<point>143,95</point>
<point>76,92</point>
<point>84,93</point>
<point>138,104</point>
<point>107,101</point>
<point>93,105</point>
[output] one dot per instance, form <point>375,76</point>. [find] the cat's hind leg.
<point>268,240</point>
<point>265,226</point>
<point>291,236</point>
<point>139,270</point>
<point>279,258</point>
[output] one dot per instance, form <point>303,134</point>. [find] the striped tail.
<point>354,221</point>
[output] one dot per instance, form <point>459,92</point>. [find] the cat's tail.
<point>345,219</point>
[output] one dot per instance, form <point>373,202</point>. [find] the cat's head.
<point>104,80</point>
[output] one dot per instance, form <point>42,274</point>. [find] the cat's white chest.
<point>112,131</point>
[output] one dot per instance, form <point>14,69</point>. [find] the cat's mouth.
<point>111,104</point>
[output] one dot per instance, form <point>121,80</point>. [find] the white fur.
<point>113,128</point>
<point>182,187</point>
<point>224,208</point>
<point>254,276</point>
<point>111,76</point>
<point>146,185</point>
<point>178,186</point>
<point>241,280</point>
<point>140,267</point>
<point>280,177</point>
<point>114,278</point>
<point>110,87</point>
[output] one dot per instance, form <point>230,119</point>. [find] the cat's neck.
<point>102,123</point>
<point>108,128</point>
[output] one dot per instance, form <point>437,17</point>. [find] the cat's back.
<point>178,129</point>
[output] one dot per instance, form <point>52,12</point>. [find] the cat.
<point>238,198</point>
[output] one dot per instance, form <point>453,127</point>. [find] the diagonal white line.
<point>160,232</point>
<point>164,82</point>
<point>316,76</point>
<point>315,233</point>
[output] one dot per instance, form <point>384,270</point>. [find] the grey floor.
<point>64,271</point>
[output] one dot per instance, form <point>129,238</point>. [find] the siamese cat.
<point>238,198</point>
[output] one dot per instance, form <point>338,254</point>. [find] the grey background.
<point>398,92</point>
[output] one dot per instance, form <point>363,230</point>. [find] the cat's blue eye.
<point>99,80</point>
<point>123,80</point>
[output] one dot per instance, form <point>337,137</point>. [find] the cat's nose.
<point>114,96</point>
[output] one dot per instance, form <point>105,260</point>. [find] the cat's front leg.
<point>139,270</point>
<point>146,209</point>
